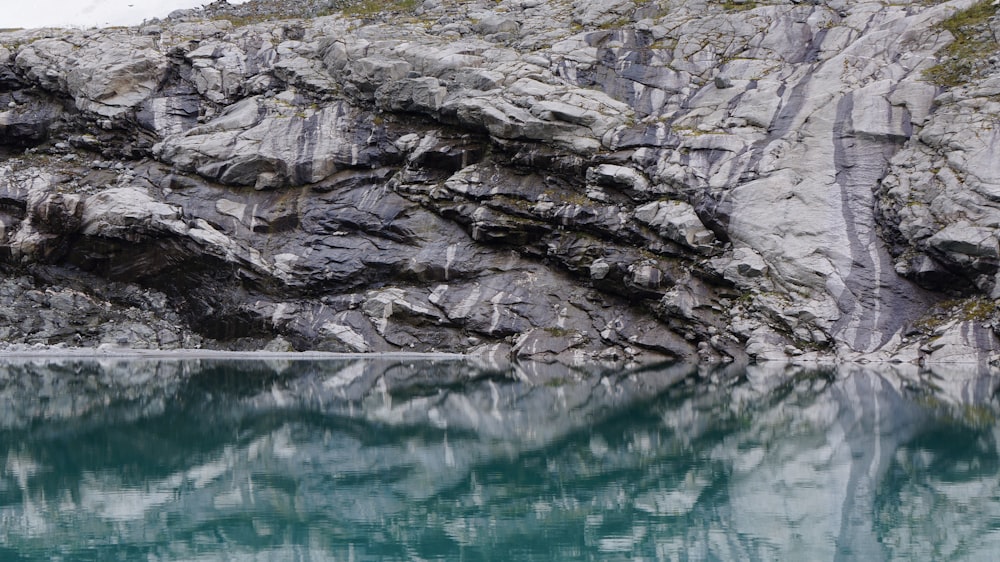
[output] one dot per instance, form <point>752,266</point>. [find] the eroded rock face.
<point>675,180</point>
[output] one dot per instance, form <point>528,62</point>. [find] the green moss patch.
<point>970,309</point>
<point>373,7</point>
<point>964,58</point>
<point>731,5</point>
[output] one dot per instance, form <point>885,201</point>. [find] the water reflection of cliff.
<point>400,459</point>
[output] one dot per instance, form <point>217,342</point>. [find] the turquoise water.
<point>399,459</point>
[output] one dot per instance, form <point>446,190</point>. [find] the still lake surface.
<point>407,459</point>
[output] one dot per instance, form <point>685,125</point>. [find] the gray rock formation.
<point>682,179</point>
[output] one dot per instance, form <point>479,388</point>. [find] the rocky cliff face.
<point>616,179</point>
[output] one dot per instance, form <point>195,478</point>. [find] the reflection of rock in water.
<point>396,459</point>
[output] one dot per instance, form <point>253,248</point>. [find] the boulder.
<point>677,221</point>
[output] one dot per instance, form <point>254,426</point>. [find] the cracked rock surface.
<point>553,179</point>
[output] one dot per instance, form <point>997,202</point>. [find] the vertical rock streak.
<point>875,302</point>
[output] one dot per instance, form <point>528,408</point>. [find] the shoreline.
<point>57,352</point>
<point>192,353</point>
<point>125,353</point>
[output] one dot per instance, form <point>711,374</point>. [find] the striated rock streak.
<point>875,303</point>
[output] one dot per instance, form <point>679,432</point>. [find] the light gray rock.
<point>219,71</point>
<point>494,23</point>
<point>963,241</point>
<point>621,177</point>
<point>745,264</point>
<point>369,73</point>
<point>677,221</point>
<point>264,144</point>
<point>106,77</point>
<point>128,213</point>
<point>963,342</point>
<point>419,95</point>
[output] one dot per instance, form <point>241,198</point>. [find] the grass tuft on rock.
<point>373,7</point>
<point>739,6</point>
<point>964,58</point>
<point>259,11</point>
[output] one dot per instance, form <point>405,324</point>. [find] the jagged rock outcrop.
<point>572,180</point>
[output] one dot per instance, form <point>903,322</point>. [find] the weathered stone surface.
<point>126,213</point>
<point>677,221</point>
<point>963,342</point>
<point>27,125</point>
<point>267,143</point>
<point>106,75</point>
<point>746,265</point>
<point>679,180</point>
